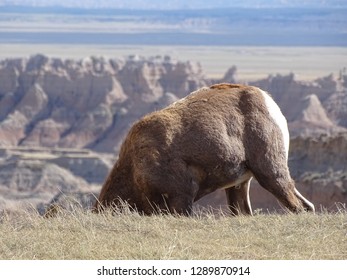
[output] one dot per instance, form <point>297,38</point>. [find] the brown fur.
<point>217,137</point>
<point>226,86</point>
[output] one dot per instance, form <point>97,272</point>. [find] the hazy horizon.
<point>177,4</point>
<point>314,26</point>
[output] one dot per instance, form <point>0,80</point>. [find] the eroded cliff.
<point>50,107</point>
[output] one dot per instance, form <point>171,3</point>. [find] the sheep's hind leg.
<point>282,186</point>
<point>238,199</point>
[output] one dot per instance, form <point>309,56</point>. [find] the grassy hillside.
<point>80,235</point>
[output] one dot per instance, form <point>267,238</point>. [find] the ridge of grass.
<point>79,234</point>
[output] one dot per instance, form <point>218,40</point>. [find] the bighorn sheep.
<point>217,137</point>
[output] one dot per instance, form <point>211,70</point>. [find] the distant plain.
<point>308,42</point>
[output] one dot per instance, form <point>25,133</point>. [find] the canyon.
<point>62,122</point>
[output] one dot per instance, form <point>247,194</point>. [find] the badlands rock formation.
<point>77,104</point>
<point>33,176</point>
<point>62,123</point>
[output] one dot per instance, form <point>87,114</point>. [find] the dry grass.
<point>80,235</point>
